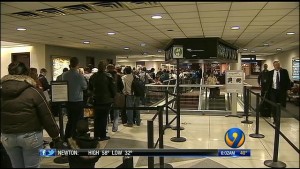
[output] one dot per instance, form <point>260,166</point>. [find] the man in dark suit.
<point>279,83</point>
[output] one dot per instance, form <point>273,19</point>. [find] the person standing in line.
<point>75,105</point>
<point>119,87</point>
<point>262,81</point>
<point>102,87</point>
<point>43,79</point>
<point>24,115</point>
<point>59,77</point>
<point>279,83</point>
<point>127,81</point>
<point>212,80</point>
<point>34,75</point>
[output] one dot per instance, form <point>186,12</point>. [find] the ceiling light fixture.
<point>235,28</point>
<point>143,44</point>
<point>21,29</point>
<point>126,48</point>
<point>159,51</point>
<point>290,33</point>
<point>111,33</point>
<point>278,49</point>
<point>245,49</point>
<point>252,51</point>
<point>156,17</point>
<point>170,30</point>
<point>86,42</point>
<point>266,44</point>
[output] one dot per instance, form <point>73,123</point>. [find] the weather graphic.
<point>234,138</point>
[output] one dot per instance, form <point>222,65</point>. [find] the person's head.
<point>276,65</point>
<point>144,69</point>
<point>82,127</point>
<point>110,68</point>
<point>127,70</point>
<point>33,73</point>
<point>17,68</point>
<point>101,66</point>
<point>119,69</point>
<point>265,66</point>
<point>81,70</point>
<point>152,70</point>
<point>43,71</point>
<point>211,75</point>
<point>65,69</point>
<point>74,62</point>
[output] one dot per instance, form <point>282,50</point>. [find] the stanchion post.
<point>246,106</point>
<point>167,110</point>
<point>161,136</point>
<point>150,142</point>
<point>178,138</point>
<point>275,163</point>
<point>256,134</point>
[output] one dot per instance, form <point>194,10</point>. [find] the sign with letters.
<point>59,91</point>
<point>234,81</point>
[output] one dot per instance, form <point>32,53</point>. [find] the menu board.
<point>295,69</point>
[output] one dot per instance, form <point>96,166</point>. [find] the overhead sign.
<point>234,80</point>
<point>177,52</point>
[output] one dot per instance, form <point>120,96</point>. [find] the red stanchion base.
<point>272,164</point>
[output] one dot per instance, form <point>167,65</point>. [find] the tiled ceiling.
<point>260,23</point>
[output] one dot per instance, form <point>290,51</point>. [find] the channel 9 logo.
<point>234,138</point>
<point>47,152</point>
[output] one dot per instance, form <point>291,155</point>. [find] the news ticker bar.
<point>147,152</point>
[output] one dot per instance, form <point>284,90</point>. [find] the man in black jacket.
<point>103,89</point>
<point>279,83</point>
<point>262,82</point>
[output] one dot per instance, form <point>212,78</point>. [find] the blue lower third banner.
<point>147,152</point>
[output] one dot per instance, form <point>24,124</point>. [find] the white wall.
<point>37,56</point>
<point>285,59</point>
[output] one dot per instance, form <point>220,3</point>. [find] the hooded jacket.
<point>24,108</point>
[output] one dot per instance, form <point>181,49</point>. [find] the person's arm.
<point>120,83</point>
<point>45,115</point>
<point>83,82</point>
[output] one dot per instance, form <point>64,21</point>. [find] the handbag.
<point>119,100</point>
<point>88,112</point>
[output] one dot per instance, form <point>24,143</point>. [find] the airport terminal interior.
<point>201,63</point>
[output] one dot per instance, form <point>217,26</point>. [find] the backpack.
<point>138,87</point>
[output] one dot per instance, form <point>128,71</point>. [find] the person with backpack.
<point>132,91</point>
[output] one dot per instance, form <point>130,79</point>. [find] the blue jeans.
<point>23,148</point>
<point>132,101</point>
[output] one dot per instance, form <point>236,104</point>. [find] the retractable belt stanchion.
<point>246,106</point>
<point>256,134</point>
<point>167,110</point>
<point>178,138</point>
<point>275,163</point>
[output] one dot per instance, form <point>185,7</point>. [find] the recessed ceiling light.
<point>159,51</point>
<point>252,51</point>
<point>126,48</point>
<point>143,44</point>
<point>145,53</point>
<point>235,28</point>
<point>245,49</point>
<point>86,42</point>
<point>111,33</point>
<point>290,33</point>
<point>156,17</point>
<point>266,44</point>
<point>278,49</point>
<point>21,29</point>
<point>170,30</point>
